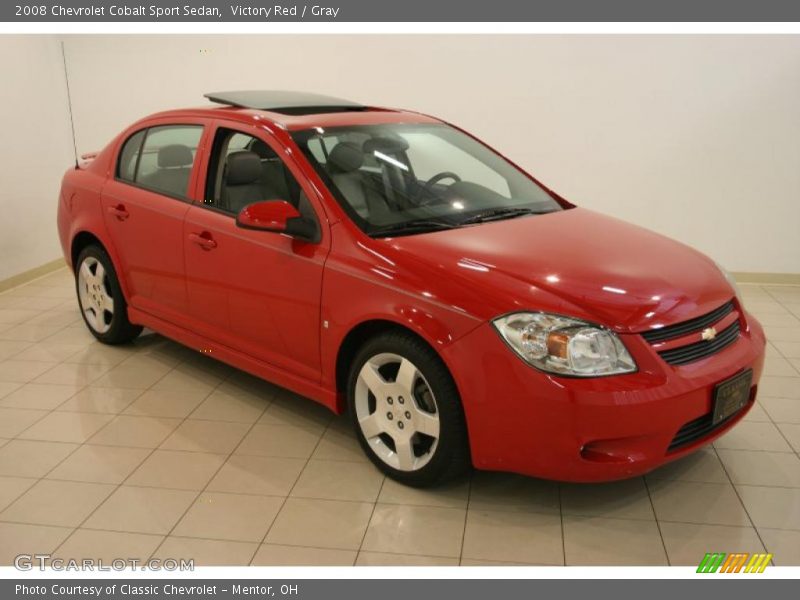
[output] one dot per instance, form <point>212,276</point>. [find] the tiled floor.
<point>152,450</point>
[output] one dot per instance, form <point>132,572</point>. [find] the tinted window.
<point>126,167</point>
<point>164,161</point>
<point>244,169</point>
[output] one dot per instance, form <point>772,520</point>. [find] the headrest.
<point>346,157</point>
<point>175,155</point>
<point>387,145</point>
<point>243,167</point>
<point>261,148</point>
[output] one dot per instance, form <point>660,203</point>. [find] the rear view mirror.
<point>277,216</point>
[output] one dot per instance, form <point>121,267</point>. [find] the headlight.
<point>565,346</point>
<point>731,281</point>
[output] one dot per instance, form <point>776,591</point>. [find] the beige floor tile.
<point>788,349</point>
<point>138,432</point>
<point>505,491</point>
<point>425,530</point>
<point>48,352</point>
<point>477,562</point>
<point>26,332</point>
<point>339,444</point>
<point>451,494</point>
<point>785,545</point>
<point>693,502</point>
<point>160,403</point>
<point>384,559</point>
<point>66,427</point>
<point>216,437</point>
<point>235,408</point>
<point>141,510</point>
<point>100,400</point>
<point>702,466</point>
<point>513,536</point>
<point>7,387</point>
<point>10,349</point>
<point>782,410</point>
<point>108,546</point>
<point>26,458</point>
<point>41,396</point>
<point>238,517</point>
<point>600,541</point>
<point>12,488</point>
<point>753,436</point>
<point>264,475</point>
<point>100,464</point>
<point>772,507</point>
<point>72,374</point>
<point>320,524</point>
<point>687,544</point>
<point>779,320</point>
<point>762,468</point>
<point>791,432</point>
<point>780,387</point>
<point>207,553</point>
<point>29,539</point>
<point>14,316</point>
<point>270,555</point>
<point>757,414</point>
<point>627,499</point>
<point>177,469</point>
<point>133,373</point>
<point>779,367</point>
<point>14,421</point>
<point>774,333</point>
<point>290,409</point>
<point>100,354</point>
<point>187,383</point>
<point>61,503</point>
<point>286,441</point>
<point>338,480</point>
<point>23,371</point>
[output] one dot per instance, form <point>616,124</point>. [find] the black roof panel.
<point>283,101</point>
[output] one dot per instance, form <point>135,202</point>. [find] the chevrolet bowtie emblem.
<point>709,334</point>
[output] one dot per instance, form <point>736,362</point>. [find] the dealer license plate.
<point>731,395</point>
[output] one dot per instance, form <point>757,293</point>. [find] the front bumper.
<point>571,429</point>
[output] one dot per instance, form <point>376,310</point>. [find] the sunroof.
<point>285,102</point>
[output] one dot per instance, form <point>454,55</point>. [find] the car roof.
<point>295,110</point>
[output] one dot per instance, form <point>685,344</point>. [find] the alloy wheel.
<point>96,300</point>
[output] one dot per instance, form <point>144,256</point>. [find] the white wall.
<point>697,137</point>
<point>36,150</point>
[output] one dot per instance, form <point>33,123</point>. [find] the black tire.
<point>120,329</point>
<point>451,457</point>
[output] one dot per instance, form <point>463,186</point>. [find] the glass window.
<point>400,179</point>
<point>244,169</point>
<point>167,157</point>
<point>126,167</point>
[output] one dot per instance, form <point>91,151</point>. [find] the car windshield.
<point>402,179</point>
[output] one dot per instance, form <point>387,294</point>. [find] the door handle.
<point>119,211</point>
<point>204,240</point>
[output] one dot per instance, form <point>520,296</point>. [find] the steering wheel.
<point>425,195</point>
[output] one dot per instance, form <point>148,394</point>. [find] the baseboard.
<point>768,278</point>
<point>35,273</point>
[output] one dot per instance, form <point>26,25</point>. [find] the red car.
<point>389,263</point>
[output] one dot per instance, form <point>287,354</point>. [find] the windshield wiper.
<point>410,227</point>
<point>497,214</point>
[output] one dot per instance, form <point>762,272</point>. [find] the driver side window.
<point>244,169</point>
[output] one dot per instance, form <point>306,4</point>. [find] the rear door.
<point>144,206</point>
<point>255,291</point>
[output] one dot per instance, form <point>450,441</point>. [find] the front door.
<point>255,291</point>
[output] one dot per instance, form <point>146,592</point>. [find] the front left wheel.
<point>102,304</point>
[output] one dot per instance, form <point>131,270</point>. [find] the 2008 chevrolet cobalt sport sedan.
<point>388,263</point>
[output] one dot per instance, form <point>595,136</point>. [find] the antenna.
<point>69,105</point>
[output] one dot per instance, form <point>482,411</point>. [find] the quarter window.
<point>161,158</point>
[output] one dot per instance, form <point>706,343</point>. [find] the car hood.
<point>575,262</point>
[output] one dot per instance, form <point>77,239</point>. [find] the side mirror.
<point>277,216</point>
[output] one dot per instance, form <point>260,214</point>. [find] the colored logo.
<point>739,562</point>
<point>708,334</point>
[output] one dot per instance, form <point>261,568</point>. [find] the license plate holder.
<point>731,395</point>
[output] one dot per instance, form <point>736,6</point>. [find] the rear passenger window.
<point>161,159</point>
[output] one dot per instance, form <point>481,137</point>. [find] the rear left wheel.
<point>102,304</point>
